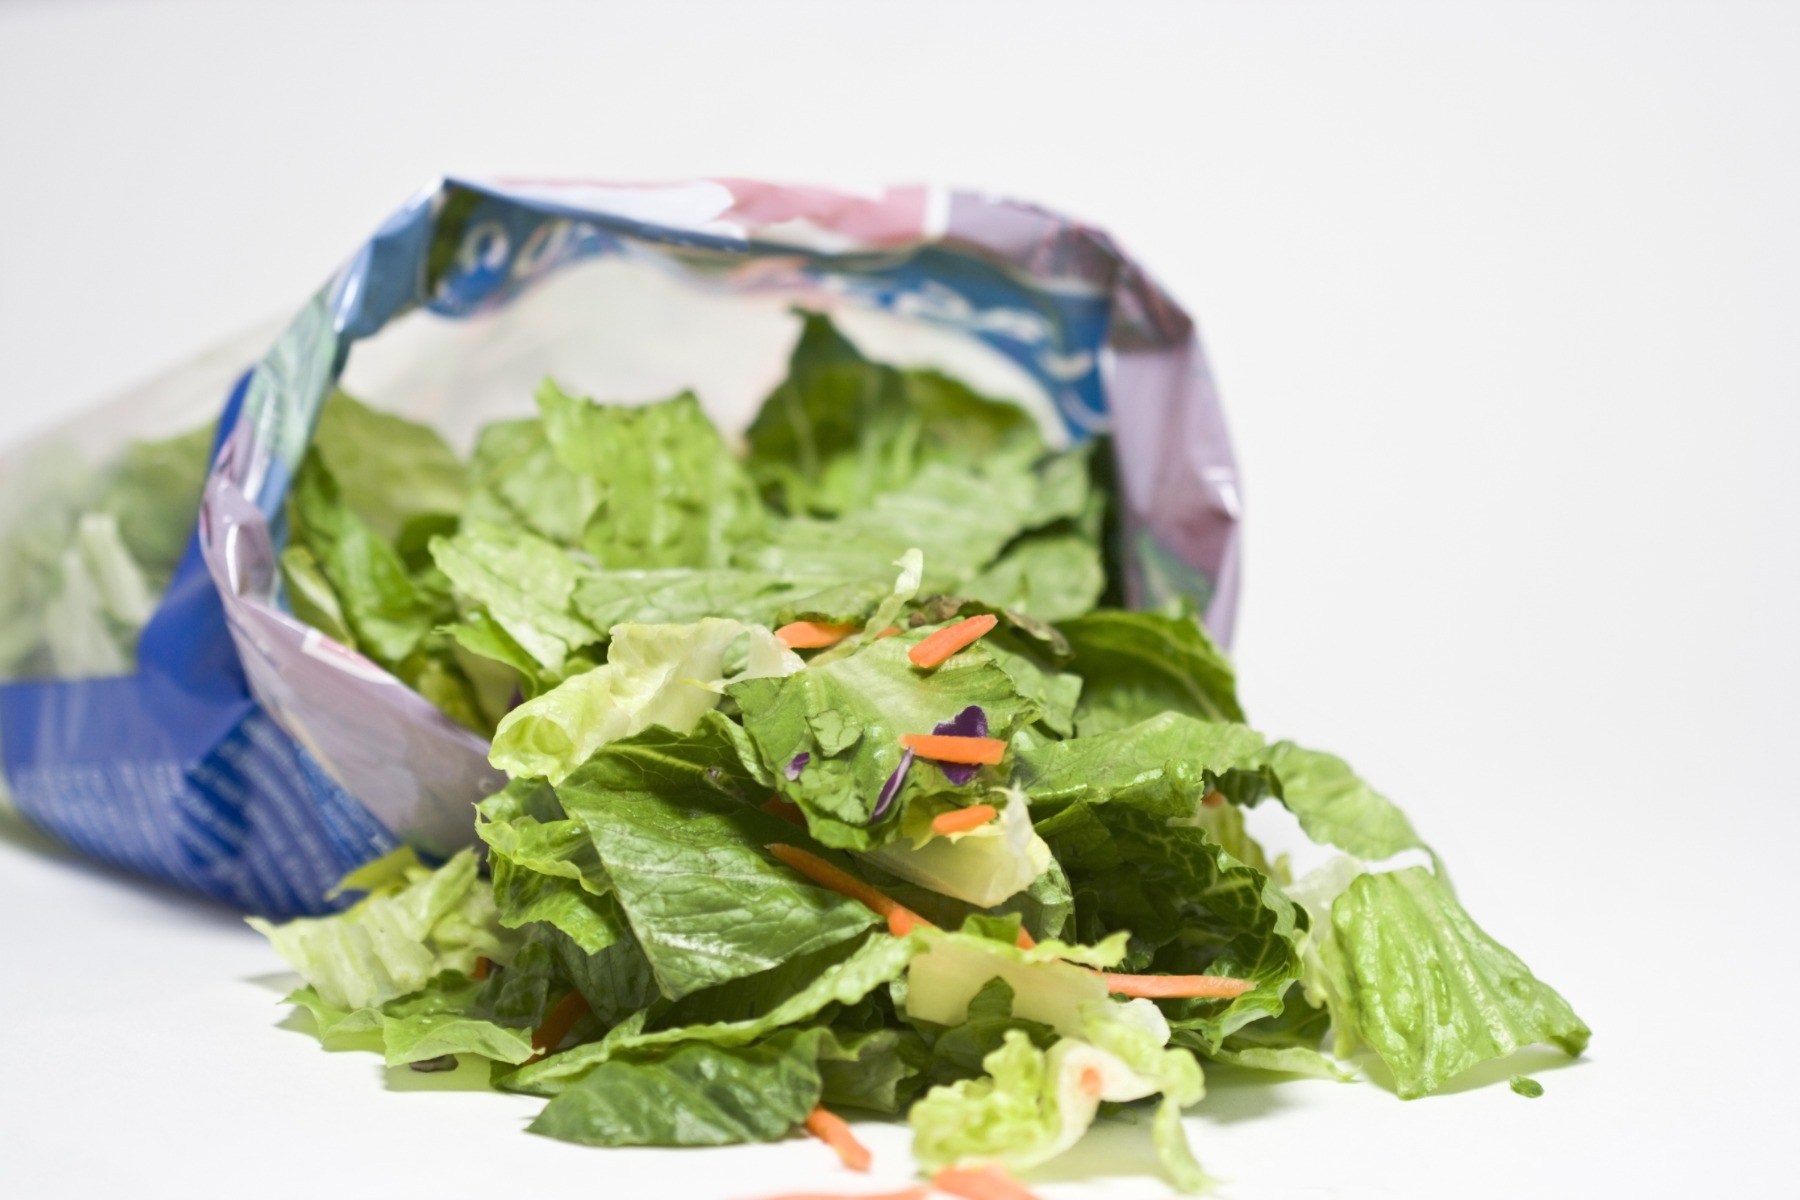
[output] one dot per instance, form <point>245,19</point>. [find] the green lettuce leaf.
<point>391,472</point>
<point>387,609</point>
<point>524,584</point>
<point>668,493</point>
<point>394,940</point>
<point>877,961</point>
<point>667,675</point>
<point>684,852</point>
<point>693,1094</point>
<point>1138,665</point>
<point>1418,982</point>
<point>1336,808</point>
<point>1054,575</point>
<point>841,430</point>
<point>1168,761</point>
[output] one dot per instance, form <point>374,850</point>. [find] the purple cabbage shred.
<point>891,788</point>
<point>970,722</point>
<point>797,764</point>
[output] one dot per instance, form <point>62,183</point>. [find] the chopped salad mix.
<point>841,783</point>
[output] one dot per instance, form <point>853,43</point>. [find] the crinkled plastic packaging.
<point>163,711</point>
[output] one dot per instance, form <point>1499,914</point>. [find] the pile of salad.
<point>842,784</point>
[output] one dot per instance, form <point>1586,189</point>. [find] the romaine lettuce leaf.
<point>391,471</point>
<point>1138,665</point>
<point>1336,808</point>
<point>524,584</point>
<point>1418,982</point>
<point>683,849</point>
<point>693,1094</point>
<point>668,493</point>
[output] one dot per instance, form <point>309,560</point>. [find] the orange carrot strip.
<point>776,806</point>
<point>1213,799</point>
<point>1178,987</point>
<point>557,1022</point>
<point>812,635</point>
<point>482,967</point>
<point>1025,941</point>
<point>829,1128</point>
<point>963,819</point>
<point>948,640</point>
<point>988,1183</point>
<point>945,747</point>
<point>917,1193</point>
<point>901,919</point>
<point>890,631</point>
<point>1090,1081</point>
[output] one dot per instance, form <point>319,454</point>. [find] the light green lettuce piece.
<point>841,430</point>
<point>668,491</point>
<point>391,471</point>
<point>525,585</point>
<point>1407,973</point>
<point>82,643</point>
<point>430,1023</point>
<point>1336,808</point>
<point>124,593</point>
<point>394,940</point>
<point>1053,575</point>
<point>385,606</point>
<point>983,866</point>
<point>667,675</point>
<point>676,595</point>
<point>1034,1104</point>
<point>1048,983</point>
<point>426,1036</point>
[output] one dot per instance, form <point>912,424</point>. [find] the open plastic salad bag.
<point>163,709</point>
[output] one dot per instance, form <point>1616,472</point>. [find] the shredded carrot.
<point>557,1022</point>
<point>963,819</point>
<point>948,640</point>
<point>829,1128</point>
<point>812,635</point>
<point>481,968</point>
<point>917,1193</point>
<point>945,747</point>
<point>1213,799</point>
<point>890,631</point>
<point>987,1183</point>
<point>1090,1081</point>
<point>1178,987</point>
<point>901,919</point>
<point>776,806</point>
<point>1025,940</point>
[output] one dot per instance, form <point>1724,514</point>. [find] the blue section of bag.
<point>177,773</point>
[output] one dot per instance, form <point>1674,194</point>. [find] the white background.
<point>1502,302</point>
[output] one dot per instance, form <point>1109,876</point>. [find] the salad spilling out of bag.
<point>843,784</point>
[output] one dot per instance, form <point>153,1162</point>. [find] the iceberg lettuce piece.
<point>667,675</point>
<point>413,924</point>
